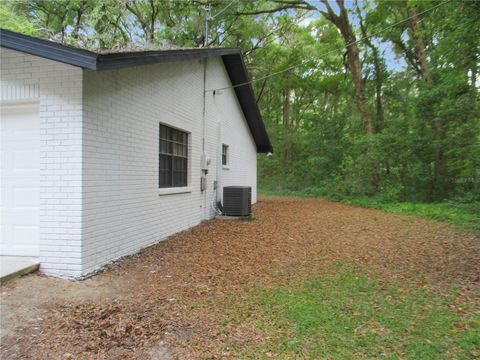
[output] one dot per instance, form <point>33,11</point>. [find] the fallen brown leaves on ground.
<point>171,291</point>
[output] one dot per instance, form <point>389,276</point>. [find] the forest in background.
<point>376,99</point>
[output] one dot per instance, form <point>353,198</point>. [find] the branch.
<point>300,3</point>
<point>330,14</point>
<point>271,11</point>
<point>409,54</point>
<point>225,31</point>
<point>137,14</point>
<point>263,86</point>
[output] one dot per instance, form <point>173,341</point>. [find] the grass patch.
<point>464,215</point>
<point>347,316</point>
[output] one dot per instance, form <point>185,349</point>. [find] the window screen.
<point>224,154</point>
<point>173,157</point>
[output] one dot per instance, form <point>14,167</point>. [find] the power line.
<point>209,16</point>
<point>331,51</point>
<point>221,11</point>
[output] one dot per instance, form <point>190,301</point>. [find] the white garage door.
<point>19,180</point>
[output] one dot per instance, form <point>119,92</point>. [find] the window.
<point>173,157</point>
<point>224,154</point>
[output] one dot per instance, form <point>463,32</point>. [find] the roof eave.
<point>232,60</point>
<point>48,50</point>
<point>246,98</point>
<point>129,59</point>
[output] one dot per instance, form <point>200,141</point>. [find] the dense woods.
<point>375,98</point>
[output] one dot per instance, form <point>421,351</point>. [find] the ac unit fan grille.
<point>237,200</point>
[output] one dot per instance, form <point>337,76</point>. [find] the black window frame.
<point>172,157</point>
<point>225,151</point>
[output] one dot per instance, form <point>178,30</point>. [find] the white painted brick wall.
<point>99,153</point>
<point>57,88</point>
<point>234,132</point>
<point>123,211</point>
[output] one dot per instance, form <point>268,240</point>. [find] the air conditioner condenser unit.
<point>237,200</point>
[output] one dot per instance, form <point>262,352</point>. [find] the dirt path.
<point>166,297</point>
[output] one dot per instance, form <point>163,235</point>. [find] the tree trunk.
<point>419,45</point>
<point>342,22</point>
<point>325,101</point>
<point>148,26</point>
<point>378,97</point>
<point>78,22</point>
<point>286,128</point>
<point>473,78</point>
<point>378,76</point>
<point>439,185</point>
<point>153,21</point>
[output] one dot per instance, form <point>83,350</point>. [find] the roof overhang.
<point>232,60</point>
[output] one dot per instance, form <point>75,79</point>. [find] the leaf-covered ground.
<point>228,289</point>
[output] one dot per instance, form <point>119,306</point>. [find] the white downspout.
<point>219,160</point>
<point>204,135</point>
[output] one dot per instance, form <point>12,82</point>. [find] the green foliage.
<point>426,141</point>
<point>349,315</point>
<point>14,21</point>
<point>426,147</point>
<point>464,215</point>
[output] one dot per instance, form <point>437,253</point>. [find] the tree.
<point>342,22</point>
<point>411,69</point>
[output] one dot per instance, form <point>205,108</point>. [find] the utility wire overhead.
<point>221,11</point>
<point>209,16</point>
<point>331,51</point>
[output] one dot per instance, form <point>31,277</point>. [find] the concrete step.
<point>16,266</point>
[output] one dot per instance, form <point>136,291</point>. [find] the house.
<point>104,154</point>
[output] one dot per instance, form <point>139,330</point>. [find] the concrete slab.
<point>225,217</point>
<point>15,266</point>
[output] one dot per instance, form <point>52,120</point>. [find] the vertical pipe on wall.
<point>204,110</point>
<point>218,198</point>
<point>204,134</point>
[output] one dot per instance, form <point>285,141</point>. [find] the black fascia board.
<point>48,49</point>
<point>97,61</point>
<point>232,60</point>
<point>129,59</point>
<point>238,75</point>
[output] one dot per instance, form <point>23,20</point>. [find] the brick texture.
<point>122,209</point>
<point>57,89</point>
<point>99,153</point>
